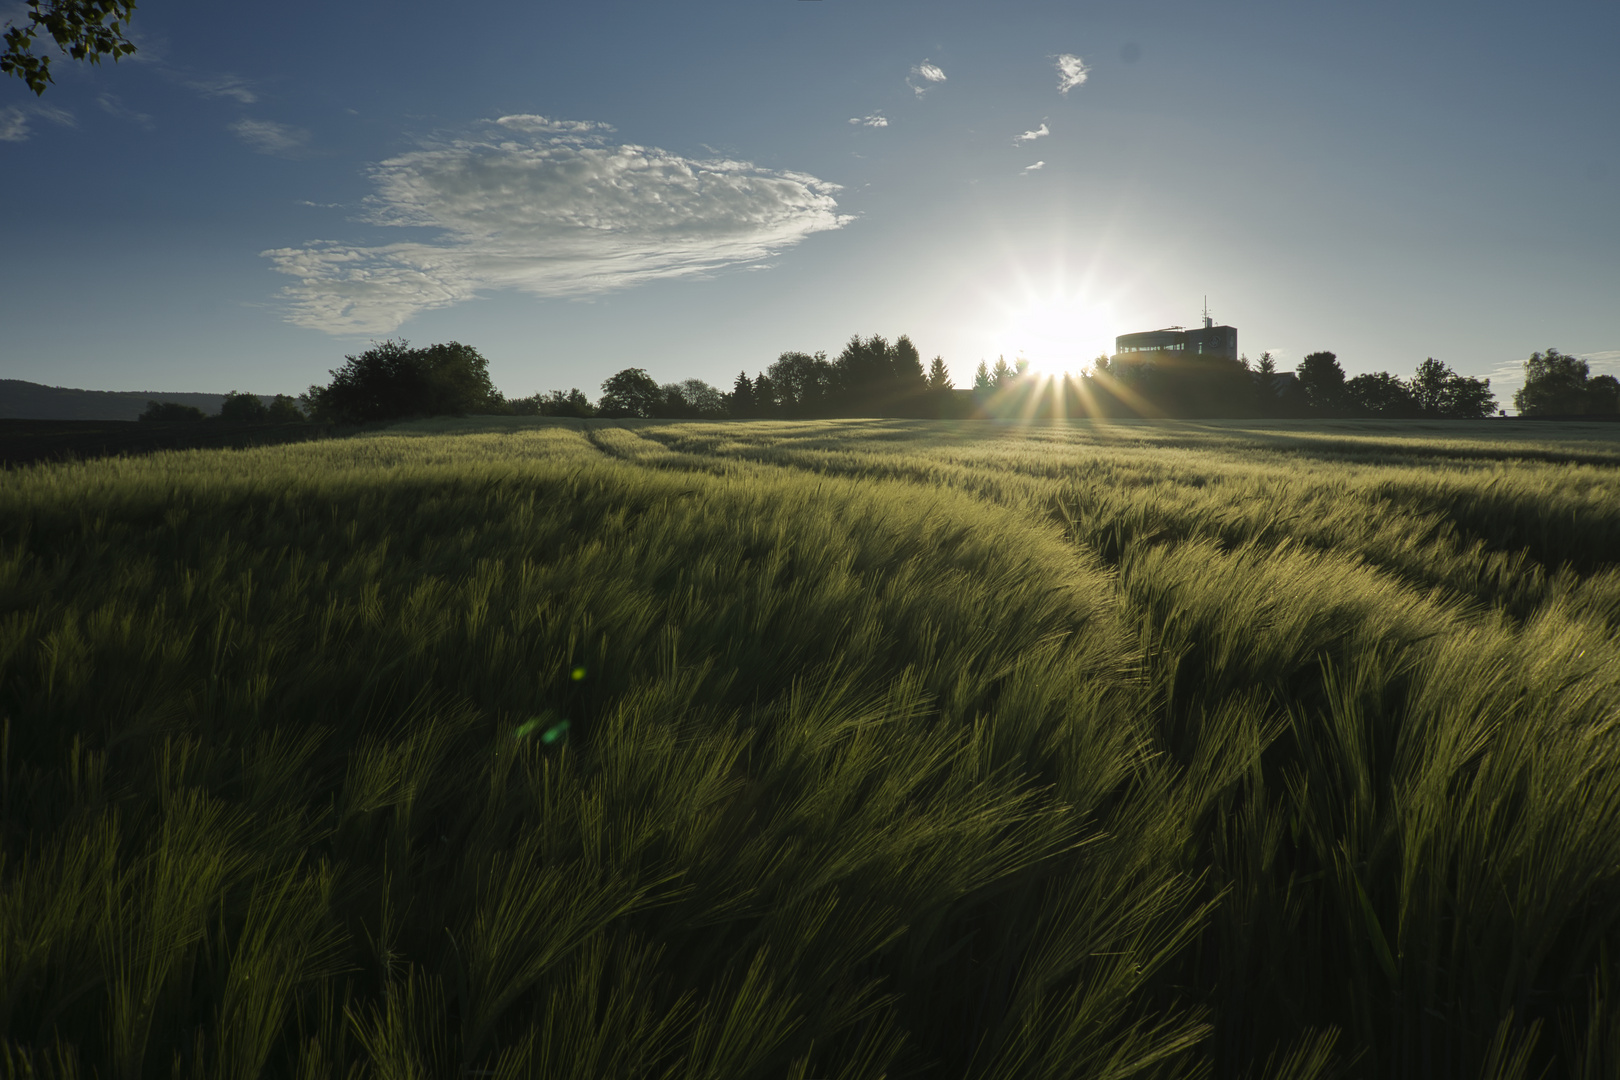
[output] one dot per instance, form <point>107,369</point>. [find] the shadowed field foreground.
<point>819,750</point>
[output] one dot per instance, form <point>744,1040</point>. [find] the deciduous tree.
<point>1557,384</point>
<point>1322,379</point>
<point>243,408</point>
<point>171,410</point>
<point>84,29</point>
<point>1381,395</point>
<point>631,392</point>
<point>391,380</point>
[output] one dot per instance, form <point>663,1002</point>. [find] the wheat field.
<point>509,747</point>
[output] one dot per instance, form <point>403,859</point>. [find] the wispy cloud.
<point>875,120</point>
<point>13,125</point>
<point>1031,136</point>
<point>269,137</point>
<point>228,86</point>
<point>1072,72</point>
<point>928,72</point>
<point>533,124</point>
<point>113,105</point>
<point>553,212</point>
<point>1606,362</point>
<point>14,120</point>
<point>1032,168</point>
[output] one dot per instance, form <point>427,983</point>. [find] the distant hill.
<point>21,400</point>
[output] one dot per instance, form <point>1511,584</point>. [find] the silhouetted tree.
<point>910,381</point>
<point>939,376</point>
<point>392,380</point>
<point>866,382</point>
<point>1002,374</point>
<point>765,400</point>
<point>740,402</point>
<point>284,410</point>
<point>1322,379</point>
<point>631,392</point>
<point>243,409</point>
<point>1381,395</point>
<point>1557,384</point>
<point>1603,395</point>
<point>171,410</point>
<point>1266,365</point>
<point>555,403</point>
<point>803,383</point>
<point>689,399</point>
<point>1441,392</point>
<point>84,29</point>
<point>982,381</point>
<point>704,399</point>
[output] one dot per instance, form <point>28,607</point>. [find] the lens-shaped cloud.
<point>269,137</point>
<point>875,120</point>
<point>1072,72</point>
<point>546,207</point>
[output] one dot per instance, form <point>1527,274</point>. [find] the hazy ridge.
<point>21,400</point>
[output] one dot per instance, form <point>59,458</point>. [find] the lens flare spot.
<point>555,732</point>
<point>577,674</point>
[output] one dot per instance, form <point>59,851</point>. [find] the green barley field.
<point>816,751</point>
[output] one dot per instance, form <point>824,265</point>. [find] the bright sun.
<point>1055,334</point>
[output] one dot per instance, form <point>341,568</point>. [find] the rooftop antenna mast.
<point>1208,322</point>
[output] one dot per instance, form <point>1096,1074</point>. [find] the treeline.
<point>1433,392</point>
<point>876,377</point>
<point>238,408</point>
<point>870,377</point>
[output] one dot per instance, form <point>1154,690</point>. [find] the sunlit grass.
<point>825,749</point>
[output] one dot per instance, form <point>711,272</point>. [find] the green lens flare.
<point>555,732</point>
<point>577,674</point>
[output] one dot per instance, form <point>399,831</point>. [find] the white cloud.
<point>269,137</point>
<point>1606,362</point>
<point>1072,72</point>
<point>532,124</point>
<point>231,86</point>
<point>928,72</point>
<point>1037,165</point>
<point>875,120</point>
<point>1040,132</point>
<point>550,214</point>
<point>14,126</point>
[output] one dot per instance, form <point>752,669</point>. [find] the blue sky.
<point>695,188</point>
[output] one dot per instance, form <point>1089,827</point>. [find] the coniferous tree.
<point>765,401</point>
<point>910,381</point>
<point>1002,374</point>
<point>740,402</point>
<point>981,378</point>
